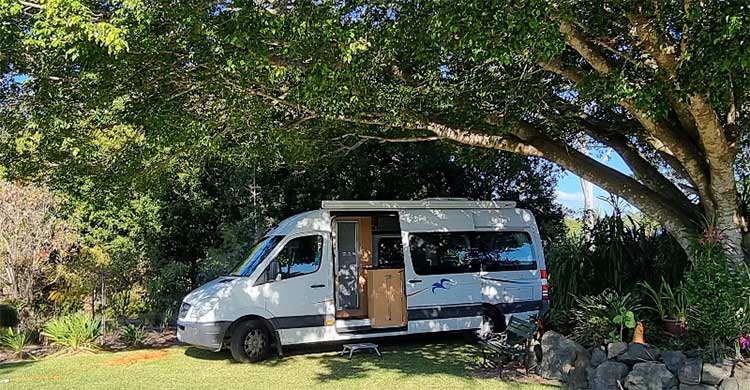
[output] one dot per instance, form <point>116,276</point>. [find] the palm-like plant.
<point>73,332</point>
<point>16,341</point>
<point>132,335</point>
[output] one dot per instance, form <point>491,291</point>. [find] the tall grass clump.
<point>73,332</point>
<point>16,341</point>
<point>133,335</point>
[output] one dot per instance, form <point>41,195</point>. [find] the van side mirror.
<point>274,271</point>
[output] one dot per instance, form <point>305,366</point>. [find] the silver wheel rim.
<point>486,328</point>
<point>255,343</point>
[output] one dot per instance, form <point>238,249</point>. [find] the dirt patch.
<point>137,357</point>
<point>32,351</point>
<point>155,338</point>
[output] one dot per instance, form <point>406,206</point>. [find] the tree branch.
<point>30,4</point>
<point>640,166</point>
<point>526,140</point>
<point>681,156</point>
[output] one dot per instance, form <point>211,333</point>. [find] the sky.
<point>569,193</point>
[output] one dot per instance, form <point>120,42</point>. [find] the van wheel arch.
<point>497,316</point>
<point>267,324</point>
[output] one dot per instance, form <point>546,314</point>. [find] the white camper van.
<point>365,269</point>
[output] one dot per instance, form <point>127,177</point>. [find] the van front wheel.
<point>250,342</point>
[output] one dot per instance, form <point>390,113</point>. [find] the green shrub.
<point>668,302</point>
<point>8,316</point>
<point>605,317</point>
<point>15,340</point>
<point>73,332</point>
<point>719,298</point>
<point>132,335</point>
<point>618,253</point>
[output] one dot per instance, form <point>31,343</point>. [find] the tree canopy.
<point>119,89</point>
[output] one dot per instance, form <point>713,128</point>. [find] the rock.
<point>637,353</point>
<point>713,374</point>
<point>697,387</point>
<point>615,349</point>
<point>598,356</point>
<point>735,384</point>
<point>650,376</point>
<point>564,360</point>
<point>590,371</point>
<point>674,360</point>
<point>609,375</point>
<point>690,372</point>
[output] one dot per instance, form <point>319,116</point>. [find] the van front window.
<point>258,252</point>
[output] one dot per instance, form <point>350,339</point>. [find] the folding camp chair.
<point>515,342</point>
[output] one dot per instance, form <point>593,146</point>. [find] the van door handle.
<point>317,286</point>
<point>415,281</point>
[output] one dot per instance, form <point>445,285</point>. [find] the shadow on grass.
<point>203,354</point>
<point>8,367</point>
<point>422,355</point>
<point>425,357</point>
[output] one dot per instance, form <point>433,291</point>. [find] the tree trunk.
<point>588,193</point>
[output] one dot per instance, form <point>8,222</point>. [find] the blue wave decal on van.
<point>442,284</point>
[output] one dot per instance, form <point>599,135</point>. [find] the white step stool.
<point>359,346</point>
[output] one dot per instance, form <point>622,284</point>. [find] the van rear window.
<point>463,252</point>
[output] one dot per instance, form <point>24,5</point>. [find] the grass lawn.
<point>412,364</point>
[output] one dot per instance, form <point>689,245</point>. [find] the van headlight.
<point>202,307</point>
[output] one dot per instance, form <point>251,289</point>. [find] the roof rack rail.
<point>376,205</point>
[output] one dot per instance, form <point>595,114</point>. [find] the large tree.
<point>663,84</point>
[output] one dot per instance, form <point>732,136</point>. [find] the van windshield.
<point>258,252</point>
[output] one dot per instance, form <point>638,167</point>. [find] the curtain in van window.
<point>465,252</point>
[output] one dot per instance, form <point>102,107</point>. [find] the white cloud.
<point>563,196</point>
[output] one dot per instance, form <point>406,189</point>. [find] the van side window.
<point>507,251</point>
<point>441,253</point>
<point>300,256</point>
<point>390,252</point>
<point>464,252</point>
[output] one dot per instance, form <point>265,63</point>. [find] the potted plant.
<point>671,305</point>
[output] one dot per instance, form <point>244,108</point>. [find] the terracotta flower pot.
<point>675,327</point>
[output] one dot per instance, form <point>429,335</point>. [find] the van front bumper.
<point>208,335</point>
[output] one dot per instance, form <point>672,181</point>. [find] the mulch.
<point>155,338</point>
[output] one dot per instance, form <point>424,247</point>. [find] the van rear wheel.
<point>491,324</point>
<point>250,342</point>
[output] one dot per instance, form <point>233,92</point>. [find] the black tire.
<point>492,322</point>
<point>250,342</point>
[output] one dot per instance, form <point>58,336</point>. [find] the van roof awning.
<point>377,205</point>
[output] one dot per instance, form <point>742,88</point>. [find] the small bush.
<point>719,298</point>
<point>8,316</point>
<point>132,335</point>
<point>15,341</point>
<point>73,332</point>
<point>603,318</point>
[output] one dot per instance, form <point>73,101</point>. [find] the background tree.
<point>125,87</point>
<point>33,240</point>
